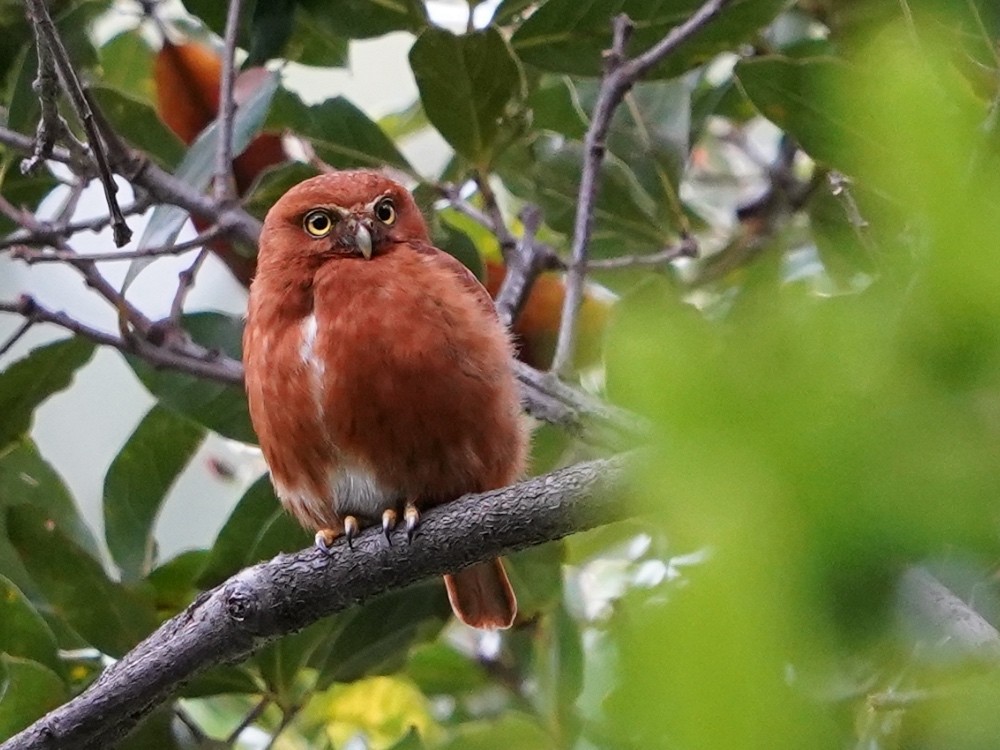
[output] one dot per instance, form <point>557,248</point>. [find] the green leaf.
<point>466,83</point>
<point>364,19</point>
<point>625,217</point>
<point>75,585</point>
<point>511,730</point>
<point>174,581</point>
<point>197,169</point>
<point>25,191</point>
<point>555,105</point>
<point>30,381</point>
<point>137,483</point>
<point>569,36</point>
<point>800,96</point>
<point>27,479</point>
<point>317,40</point>
<point>139,124</point>
<point>222,680</point>
<point>341,134</point>
<point>28,691</point>
<point>127,67</point>
<point>280,662</point>
<point>23,632</point>
<point>217,406</point>
<point>536,575</point>
<point>256,517</point>
<point>438,668</point>
<point>270,27</point>
<point>274,183</point>
<point>374,639</point>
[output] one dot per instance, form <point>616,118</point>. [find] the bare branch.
<point>686,248</point>
<point>523,264</point>
<point>620,74</point>
<point>264,602</point>
<point>47,33</point>
<point>185,283</point>
<point>32,255</point>
<point>225,186</point>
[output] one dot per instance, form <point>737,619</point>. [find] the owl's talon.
<point>351,529</point>
<point>412,517</point>
<point>324,539</point>
<point>389,520</point>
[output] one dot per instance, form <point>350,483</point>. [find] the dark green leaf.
<point>438,668</point>
<point>625,217</point>
<point>536,574</point>
<point>156,732</point>
<point>127,67</point>
<point>197,168</point>
<point>317,40</point>
<point>28,691</point>
<point>457,243</point>
<point>255,520</point>
<point>27,479</point>
<point>137,483</point>
<point>800,96</point>
<point>217,406</point>
<point>29,381</point>
<point>363,19</point>
<point>555,106</point>
<point>466,83</point>
<point>174,581</point>
<point>276,182</point>
<point>281,661</point>
<point>342,135</point>
<point>139,124</point>
<point>25,191</point>
<point>23,632</point>
<point>75,585</point>
<point>374,638</point>
<point>568,36</point>
<point>222,680</point>
<point>270,27</point>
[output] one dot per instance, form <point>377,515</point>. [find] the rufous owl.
<point>378,374</point>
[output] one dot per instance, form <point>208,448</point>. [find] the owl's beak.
<point>357,232</point>
<point>363,240</point>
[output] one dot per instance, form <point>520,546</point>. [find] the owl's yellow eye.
<point>318,223</point>
<point>385,211</point>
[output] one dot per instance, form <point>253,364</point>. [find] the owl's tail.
<point>481,596</point>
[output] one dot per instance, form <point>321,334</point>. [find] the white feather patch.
<point>357,492</point>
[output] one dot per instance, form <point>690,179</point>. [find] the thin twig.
<point>184,356</point>
<point>522,267</point>
<point>287,717</point>
<point>620,74</point>
<point>31,255</point>
<point>249,719</point>
<point>185,283</point>
<point>225,186</point>
<point>50,123</point>
<point>42,21</point>
<point>508,244</point>
<point>16,336</point>
<point>686,248</point>
<point>192,726</point>
<point>47,234</point>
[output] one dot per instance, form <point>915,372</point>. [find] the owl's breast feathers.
<point>389,380</point>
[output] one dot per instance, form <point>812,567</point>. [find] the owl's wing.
<point>451,264</point>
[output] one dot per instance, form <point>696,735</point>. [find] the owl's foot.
<point>351,529</point>
<point>325,539</point>
<point>389,520</point>
<point>412,517</point>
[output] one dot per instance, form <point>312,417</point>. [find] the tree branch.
<point>48,35</point>
<point>288,593</point>
<point>620,74</point>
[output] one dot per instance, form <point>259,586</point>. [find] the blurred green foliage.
<point>823,384</point>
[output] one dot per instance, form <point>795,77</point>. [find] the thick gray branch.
<point>289,592</point>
